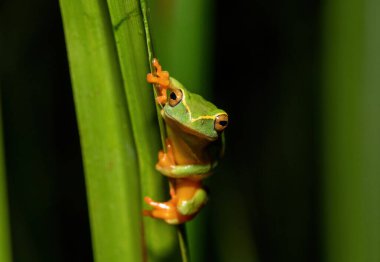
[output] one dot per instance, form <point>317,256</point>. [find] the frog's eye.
<point>221,122</point>
<point>175,97</point>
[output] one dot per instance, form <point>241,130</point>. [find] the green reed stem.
<point>181,228</point>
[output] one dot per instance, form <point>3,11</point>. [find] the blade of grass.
<point>151,56</point>
<point>106,138</point>
<point>5,246</point>
<point>182,239</point>
<point>130,38</point>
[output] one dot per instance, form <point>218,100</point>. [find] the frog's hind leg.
<point>162,210</point>
<point>159,205</point>
<point>192,206</point>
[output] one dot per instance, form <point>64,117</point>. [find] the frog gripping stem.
<point>191,150</point>
<point>160,79</point>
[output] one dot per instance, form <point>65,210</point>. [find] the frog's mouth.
<point>176,125</point>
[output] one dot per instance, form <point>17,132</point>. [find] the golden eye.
<point>175,97</point>
<point>221,122</point>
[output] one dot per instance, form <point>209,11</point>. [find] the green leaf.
<point>108,148</point>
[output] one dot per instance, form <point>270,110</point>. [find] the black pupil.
<point>173,96</point>
<point>223,123</point>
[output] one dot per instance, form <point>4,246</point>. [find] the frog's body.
<point>194,129</point>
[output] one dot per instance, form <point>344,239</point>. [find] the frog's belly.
<point>186,154</point>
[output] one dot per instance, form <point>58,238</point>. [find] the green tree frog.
<point>195,142</point>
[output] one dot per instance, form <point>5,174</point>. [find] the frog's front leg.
<point>161,80</point>
<point>166,159</point>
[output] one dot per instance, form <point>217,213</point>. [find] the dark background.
<point>267,79</point>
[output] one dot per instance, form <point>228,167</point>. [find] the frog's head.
<point>193,114</point>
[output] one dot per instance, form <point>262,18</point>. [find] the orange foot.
<point>166,211</point>
<point>161,80</point>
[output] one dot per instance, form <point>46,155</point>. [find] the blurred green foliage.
<point>300,82</point>
<point>351,130</point>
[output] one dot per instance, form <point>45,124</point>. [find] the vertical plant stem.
<point>107,143</point>
<point>5,241</point>
<point>150,50</point>
<point>181,228</point>
<point>181,231</point>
